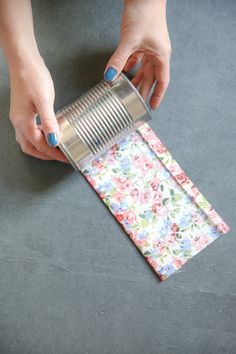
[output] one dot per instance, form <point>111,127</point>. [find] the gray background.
<point>71,281</point>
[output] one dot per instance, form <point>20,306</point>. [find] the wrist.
<point>21,55</point>
<point>23,61</point>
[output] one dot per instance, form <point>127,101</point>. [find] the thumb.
<point>49,123</point>
<point>117,61</point>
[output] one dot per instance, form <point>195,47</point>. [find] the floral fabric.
<point>160,209</point>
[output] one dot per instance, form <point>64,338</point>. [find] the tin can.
<point>100,118</point>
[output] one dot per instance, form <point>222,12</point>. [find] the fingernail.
<point>52,139</point>
<point>110,74</point>
<point>38,120</point>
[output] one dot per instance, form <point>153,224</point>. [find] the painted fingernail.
<point>110,74</point>
<point>38,120</point>
<point>52,139</point>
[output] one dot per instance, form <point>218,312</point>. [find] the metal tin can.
<point>99,118</point>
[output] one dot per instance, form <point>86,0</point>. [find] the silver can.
<point>100,118</point>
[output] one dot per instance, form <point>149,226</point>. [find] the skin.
<point>144,37</point>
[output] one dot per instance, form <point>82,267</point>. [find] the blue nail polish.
<point>110,74</point>
<point>38,120</point>
<point>52,139</point>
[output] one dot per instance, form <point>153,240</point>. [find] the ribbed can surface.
<point>99,118</point>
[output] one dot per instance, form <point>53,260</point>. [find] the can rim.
<point>137,93</point>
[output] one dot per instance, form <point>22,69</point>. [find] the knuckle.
<point>16,121</point>
<point>156,96</point>
<point>40,147</point>
<point>25,149</point>
<point>17,139</point>
<point>49,124</point>
<point>166,50</point>
<point>119,60</point>
<point>44,150</point>
<point>28,131</point>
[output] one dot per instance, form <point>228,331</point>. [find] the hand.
<point>32,94</point>
<point>145,37</point>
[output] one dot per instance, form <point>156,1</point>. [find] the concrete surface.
<point>70,279</point>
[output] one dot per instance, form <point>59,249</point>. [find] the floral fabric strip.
<point>160,209</point>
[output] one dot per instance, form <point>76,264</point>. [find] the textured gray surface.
<point>70,279</point>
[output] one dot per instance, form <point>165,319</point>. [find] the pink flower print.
<point>182,178</point>
<point>136,138</point>
<point>157,205</point>
<point>157,198</point>
<point>111,154</point>
<point>171,236</point>
<point>196,219</point>
<point>144,197</point>
<point>143,162</point>
<point>146,131</point>
<point>178,263</point>
<point>159,146</point>
<point>118,196</point>
<point>223,226</point>
<point>134,194</point>
<point>175,169</point>
<point>141,243</point>
<point>159,209</point>
<point>155,184</point>
<point>119,217</point>
<point>127,183</point>
<point>97,163</point>
<point>114,149</point>
<point>161,248</point>
<point>153,140</point>
<point>137,160</point>
<point>194,191</point>
<point>147,164</point>
<point>214,216</point>
<point>156,208</point>
<point>130,216</point>
<point>132,235</point>
<point>101,195</point>
<point>170,239</point>
<point>201,241</point>
<point>150,135</point>
<point>151,262</point>
<point>122,183</point>
<point>111,159</point>
<point>174,229</point>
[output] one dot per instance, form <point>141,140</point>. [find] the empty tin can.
<point>100,118</point>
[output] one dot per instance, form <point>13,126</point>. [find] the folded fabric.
<point>160,209</point>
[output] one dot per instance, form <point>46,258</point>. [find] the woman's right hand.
<point>32,94</point>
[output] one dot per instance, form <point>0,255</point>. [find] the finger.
<point>139,75</point>
<point>29,149</point>
<point>147,81</point>
<point>37,139</point>
<point>162,74</point>
<point>49,122</point>
<point>132,61</point>
<point>118,60</point>
<point>137,78</point>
